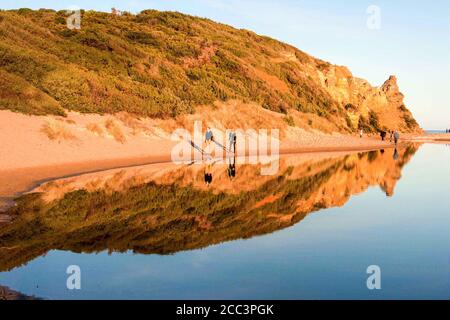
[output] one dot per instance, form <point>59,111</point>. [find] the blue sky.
<point>413,41</point>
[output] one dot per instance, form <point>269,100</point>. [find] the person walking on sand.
<point>209,137</point>
<point>396,137</point>
<point>361,133</point>
<point>232,141</point>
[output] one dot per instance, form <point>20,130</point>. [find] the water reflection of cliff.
<point>168,209</point>
<point>8,294</point>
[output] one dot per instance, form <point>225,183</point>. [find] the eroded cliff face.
<point>358,97</point>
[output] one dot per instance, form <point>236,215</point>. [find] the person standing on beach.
<point>232,141</point>
<point>209,137</point>
<point>396,137</point>
<point>361,133</point>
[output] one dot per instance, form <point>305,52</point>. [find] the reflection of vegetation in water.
<point>164,219</point>
<point>8,294</point>
<point>150,218</point>
<point>407,154</point>
<point>372,155</point>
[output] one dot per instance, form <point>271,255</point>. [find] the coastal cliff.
<point>166,64</point>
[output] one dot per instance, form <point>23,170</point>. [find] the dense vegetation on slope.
<point>153,64</point>
<point>163,64</point>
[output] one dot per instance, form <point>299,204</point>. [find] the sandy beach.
<point>37,149</point>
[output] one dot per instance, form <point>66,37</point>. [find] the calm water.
<point>309,233</point>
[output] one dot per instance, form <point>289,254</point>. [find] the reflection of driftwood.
<point>8,294</point>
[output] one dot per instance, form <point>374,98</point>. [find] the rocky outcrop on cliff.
<point>362,101</point>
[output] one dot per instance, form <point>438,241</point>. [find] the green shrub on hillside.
<point>290,121</point>
<point>363,124</point>
<point>143,38</point>
<point>350,107</point>
<point>156,64</point>
<point>374,120</point>
<point>411,123</point>
<point>349,122</point>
